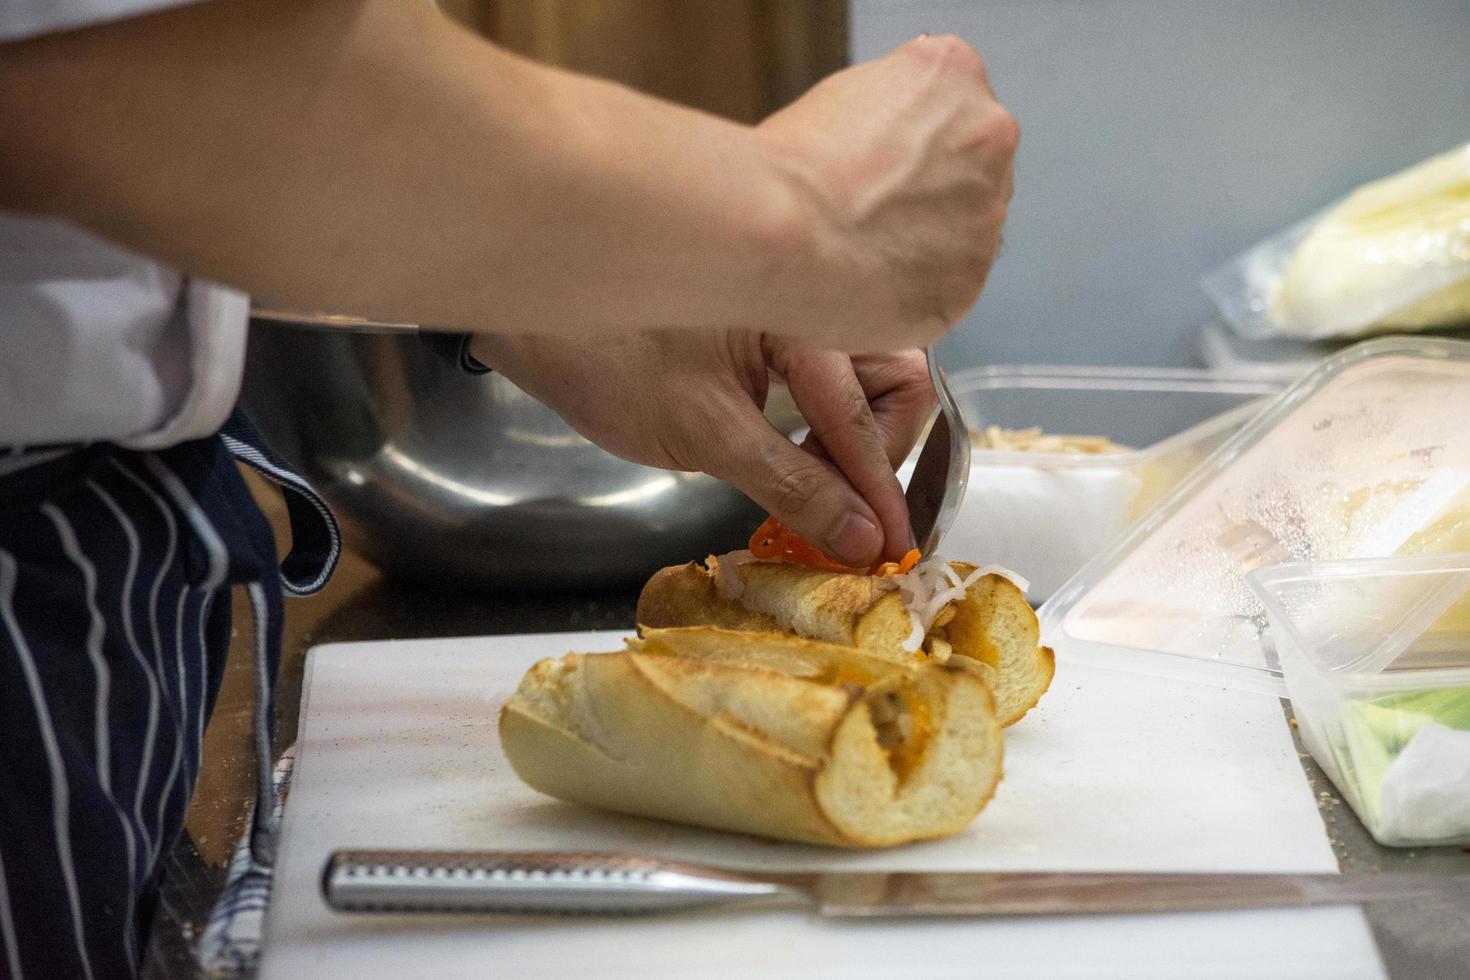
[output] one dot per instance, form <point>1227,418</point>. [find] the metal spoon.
<point>938,484</point>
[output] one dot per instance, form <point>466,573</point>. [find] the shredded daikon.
<point>1019,581</point>
<point>932,585</point>
<point>727,576</point>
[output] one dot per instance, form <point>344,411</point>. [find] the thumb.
<point>807,494</point>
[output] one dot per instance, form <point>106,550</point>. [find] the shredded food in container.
<point>1033,440</point>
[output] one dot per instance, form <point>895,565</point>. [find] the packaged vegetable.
<point>1394,255</point>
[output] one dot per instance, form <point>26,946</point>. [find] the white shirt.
<point>97,342</point>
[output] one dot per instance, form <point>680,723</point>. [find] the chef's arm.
<point>372,157</point>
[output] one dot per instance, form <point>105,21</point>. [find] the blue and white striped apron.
<point>115,573</point>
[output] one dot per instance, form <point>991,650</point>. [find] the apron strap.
<point>316,541</point>
<point>316,545</point>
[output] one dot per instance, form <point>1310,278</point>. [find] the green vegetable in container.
<point>1378,730</point>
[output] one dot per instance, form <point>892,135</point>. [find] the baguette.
<point>992,631</point>
<point>763,733</point>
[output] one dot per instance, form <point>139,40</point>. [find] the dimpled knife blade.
<point>562,883</point>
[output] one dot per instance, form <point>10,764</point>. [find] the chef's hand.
<point>906,164</point>
<point>686,400</point>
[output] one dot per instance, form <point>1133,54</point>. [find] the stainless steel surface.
<point>453,478</point>
<point>943,468</point>
<point>568,882</point>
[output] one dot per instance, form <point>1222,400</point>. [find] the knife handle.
<point>532,882</point>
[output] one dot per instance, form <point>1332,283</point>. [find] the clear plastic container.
<point>1045,514</point>
<point>1376,657</point>
<point>1366,457</point>
<point>1282,359</point>
<point>1277,359</point>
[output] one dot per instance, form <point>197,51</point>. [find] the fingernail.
<point>856,540</point>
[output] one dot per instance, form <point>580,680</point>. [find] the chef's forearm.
<point>370,157</point>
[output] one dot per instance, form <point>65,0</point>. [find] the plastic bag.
<point>1392,256</point>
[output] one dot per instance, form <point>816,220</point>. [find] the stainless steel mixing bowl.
<point>447,477</point>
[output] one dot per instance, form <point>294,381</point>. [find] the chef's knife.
<point>512,882</point>
<point>938,482</point>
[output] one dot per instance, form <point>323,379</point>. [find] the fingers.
<point>808,494</point>
<point>901,397</point>
<point>827,391</point>
<point>950,51</point>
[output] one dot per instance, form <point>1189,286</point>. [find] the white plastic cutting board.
<point>398,748</point>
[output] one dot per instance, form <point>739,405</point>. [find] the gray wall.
<point>1160,137</point>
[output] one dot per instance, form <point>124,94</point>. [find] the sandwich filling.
<point>904,723</point>
<point>928,588</point>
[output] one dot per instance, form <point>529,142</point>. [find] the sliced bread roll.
<point>992,630</point>
<point>764,733</point>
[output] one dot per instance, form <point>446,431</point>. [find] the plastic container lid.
<point>1366,457</point>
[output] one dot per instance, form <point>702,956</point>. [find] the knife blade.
<point>925,492</point>
<point>937,485</point>
<point>559,883</point>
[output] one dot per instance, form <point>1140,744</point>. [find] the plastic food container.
<point>1278,359</point>
<point>1045,514</point>
<point>1366,457</point>
<point>1376,657</point>
<point>1282,359</point>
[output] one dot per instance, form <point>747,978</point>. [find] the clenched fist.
<point>903,168</point>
